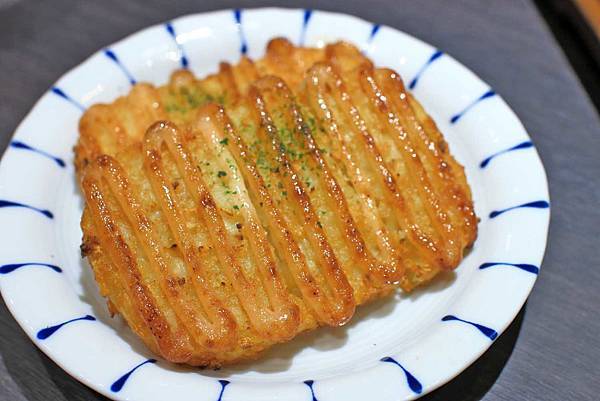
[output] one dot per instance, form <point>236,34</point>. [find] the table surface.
<point>550,351</point>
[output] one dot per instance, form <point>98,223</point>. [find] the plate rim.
<point>500,326</point>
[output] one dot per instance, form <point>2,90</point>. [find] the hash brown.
<point>234,227</point>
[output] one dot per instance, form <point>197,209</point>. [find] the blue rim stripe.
<point>367,46</point>
<point>9,268</point>
<point>223,383</point>
<point>305,20</point>
<point>414,384</point>
<point>374,30</point>
<point>182,57</point>
<point>60,93</point>
<point>48,331</point>
<point>237,14</point>
<point>310,384</point>
<point>540,204</point>
<point>113,56</point>
<point>120,382</point>
<point>523,266</point>
<point>436,55</point>
<point>486,331</point>
<point>24,146</point>
<point>490,93</point>
<point>7,203</point>
<point>522,145</point>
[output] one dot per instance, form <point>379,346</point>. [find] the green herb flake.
<point>221,173</point>
<point>312,123</point>
<point>221,99</point>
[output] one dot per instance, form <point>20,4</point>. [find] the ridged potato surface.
<point>229,214</point>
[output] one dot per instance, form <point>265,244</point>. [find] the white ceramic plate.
<point>392,349</point>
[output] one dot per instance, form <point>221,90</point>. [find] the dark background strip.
<point>578,41</point>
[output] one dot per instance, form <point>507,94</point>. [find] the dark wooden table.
<point>551,351</point>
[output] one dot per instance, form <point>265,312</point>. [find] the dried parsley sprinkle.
<point>231,165</point>
<point>312,123</point>
<point>221,173</point>
<point>236,207</point>
<point>224,141</point>
<point>221,99</point>
<point>195,97</point>
<point>172,107</point>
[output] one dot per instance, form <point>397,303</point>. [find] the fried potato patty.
<point>109,128</point>
<point>272,205</point>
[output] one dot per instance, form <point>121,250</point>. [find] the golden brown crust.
<point>109,128</point>
<point>351,150</point>
<point>265,301</point>
<point>287,230</point>
<point>141,291</point>
<point>270,204</point>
